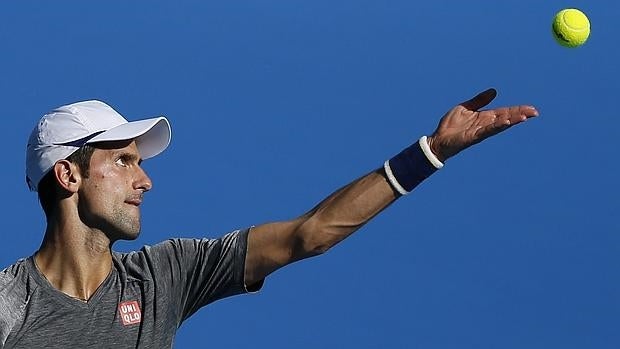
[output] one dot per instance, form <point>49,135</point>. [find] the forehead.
<point>116,147</point>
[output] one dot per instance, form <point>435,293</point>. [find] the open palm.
<point>466,125</point>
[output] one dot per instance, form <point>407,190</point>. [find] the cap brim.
<point>152,136</point>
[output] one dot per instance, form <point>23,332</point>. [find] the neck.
<point>74,261</point>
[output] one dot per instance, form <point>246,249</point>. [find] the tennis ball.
<point>571,27</point>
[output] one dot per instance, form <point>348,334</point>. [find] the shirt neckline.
<point>45,285</point>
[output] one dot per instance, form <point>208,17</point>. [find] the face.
<point>110,197</point>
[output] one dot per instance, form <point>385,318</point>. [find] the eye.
<point>121,162</point>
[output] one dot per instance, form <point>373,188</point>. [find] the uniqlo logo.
<point>130,313</point>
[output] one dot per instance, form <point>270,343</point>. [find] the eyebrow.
<point>128,156</point>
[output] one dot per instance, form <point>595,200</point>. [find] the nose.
<point>142,180</point>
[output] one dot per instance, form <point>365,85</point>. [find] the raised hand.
<point>466,125</point>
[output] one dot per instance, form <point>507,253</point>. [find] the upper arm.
<point>274,245</point>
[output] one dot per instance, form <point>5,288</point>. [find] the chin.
<point>125,233</point>
<point>132,233</point>
<point>131,237</point>
<point>124,236</point>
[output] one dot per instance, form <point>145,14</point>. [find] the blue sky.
<point>275,104</point>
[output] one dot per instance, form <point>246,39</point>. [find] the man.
<point>84,161</point>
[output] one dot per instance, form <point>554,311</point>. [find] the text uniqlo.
<point>130,312</point>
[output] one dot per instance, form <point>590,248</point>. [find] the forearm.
<point>349,208</point>
<point>344,212</point>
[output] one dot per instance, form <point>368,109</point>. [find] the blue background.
<point>275,104</point>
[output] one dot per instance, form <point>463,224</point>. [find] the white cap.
<point>64,130</point>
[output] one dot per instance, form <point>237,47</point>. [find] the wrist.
<point>433,149</point>
<point>411,166</point>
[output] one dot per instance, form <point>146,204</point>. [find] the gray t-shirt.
<point>143,301</point>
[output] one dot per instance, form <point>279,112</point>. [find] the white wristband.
<point>429,153</point>
<point>392,179</point>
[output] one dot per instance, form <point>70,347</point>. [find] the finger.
<point>480,100</point>
<point>492,129</point>
<point>515,114</point>
<point>501,119</point>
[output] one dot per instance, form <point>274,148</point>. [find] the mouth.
<point>134,200</point>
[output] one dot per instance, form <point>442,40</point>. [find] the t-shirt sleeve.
<point>197,272</point>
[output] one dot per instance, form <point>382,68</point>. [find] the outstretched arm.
<point>274,245</point>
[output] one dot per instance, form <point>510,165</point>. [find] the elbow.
<point>314,238</point>
<point>315,249</point>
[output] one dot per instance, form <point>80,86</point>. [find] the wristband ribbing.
<point>411,166</point>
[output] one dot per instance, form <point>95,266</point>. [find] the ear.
<point>67,175</point>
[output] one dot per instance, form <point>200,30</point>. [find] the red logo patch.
<point>130,313</point>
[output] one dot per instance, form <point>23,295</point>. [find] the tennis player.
<point>84,160</point>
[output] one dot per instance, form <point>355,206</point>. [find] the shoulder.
<point>15,292</point>
<point>177,246</point>
<point>142,263</point>
<point>13,273</point>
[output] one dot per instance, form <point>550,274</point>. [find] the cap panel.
<point>41,159</point>
<point>95,115</point>
<point>59,127</point>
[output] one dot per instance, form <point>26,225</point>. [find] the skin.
<point>104,207</point>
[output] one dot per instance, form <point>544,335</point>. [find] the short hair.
<point>49,190</point>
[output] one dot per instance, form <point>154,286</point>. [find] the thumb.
<point>481,99</point>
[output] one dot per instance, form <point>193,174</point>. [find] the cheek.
<point>104,184</point>
<point>102,195</point>
<point>112,184</point>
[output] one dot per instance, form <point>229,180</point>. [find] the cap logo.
<point>80,142</point>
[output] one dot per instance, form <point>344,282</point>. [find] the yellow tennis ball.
<point>571,27</point>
